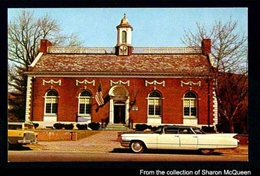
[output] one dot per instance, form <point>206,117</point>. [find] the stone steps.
<point>116,127</point>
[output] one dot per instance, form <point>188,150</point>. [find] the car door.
<point>169,138</point>
<point>188,139</point>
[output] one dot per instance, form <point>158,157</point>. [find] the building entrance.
<point>119,113</point>
<point>119,105</point>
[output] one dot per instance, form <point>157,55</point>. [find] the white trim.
<point>154,83</point>
<point>192,121</point>
<point>51,82</point>
<point>28,98</point>
<point>215,109</point>
<point>84,97</point>
<point>154,121</point>
<point>36,59</point>
<point>112,103</point>
<point>85,82</point>
<point>190,83</point>
<point>49,120</point>
<point>109,76</point>
<point>119,82</point>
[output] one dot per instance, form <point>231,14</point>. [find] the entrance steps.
<point>116,127</point>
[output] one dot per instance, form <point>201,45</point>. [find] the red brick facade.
<point>172,105</point>
<point>137,74</point>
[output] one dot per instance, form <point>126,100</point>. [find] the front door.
<point>119,113</point>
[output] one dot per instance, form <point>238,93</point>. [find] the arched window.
<point>85,101</point>
<point>51,102</point>
<point>154,104</point>
<point>124,36</point>
<point>190,105</point>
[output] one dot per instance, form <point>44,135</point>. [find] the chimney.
<point>206,46</point>
<point>44,45</point>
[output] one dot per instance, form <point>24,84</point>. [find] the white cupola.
<point>124,32</point>
<point>124,37</point>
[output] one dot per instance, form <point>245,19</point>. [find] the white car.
<point>177,137</point>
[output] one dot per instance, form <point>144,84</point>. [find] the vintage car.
<point>177,137</point>
<point>21,133</point>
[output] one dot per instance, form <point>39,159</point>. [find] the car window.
<point>170,130</point>
<point>198,131</point>
<point>15,127</point>
<point>158,130</point>
<point>28,127</point>
<point>21,126</point>
<point>185,131</point>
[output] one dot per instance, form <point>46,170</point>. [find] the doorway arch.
<point>119,104</point>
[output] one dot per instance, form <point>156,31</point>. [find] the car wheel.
<point>206,151</point>
<point>137,146</point>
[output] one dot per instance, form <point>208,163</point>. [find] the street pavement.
<point>105,142</point>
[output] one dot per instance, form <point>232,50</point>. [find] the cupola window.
<point>124,36</point>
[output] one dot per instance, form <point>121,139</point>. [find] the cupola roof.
<point>124,22</point>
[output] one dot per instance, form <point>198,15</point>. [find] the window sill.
<point>190,117</point>
<point>155,117</point>
<point>50,115</point>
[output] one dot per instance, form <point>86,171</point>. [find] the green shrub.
<point>35,125</point>
<point>208,129</point>
<point>94,125</point>
<point>82,126</point>
<point>68,126</point>
<point>142,127</point>
<point>58,125</point>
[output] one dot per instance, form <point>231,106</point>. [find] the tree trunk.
<point>231,126</point>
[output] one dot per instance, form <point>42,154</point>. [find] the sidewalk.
<point>106,141</point>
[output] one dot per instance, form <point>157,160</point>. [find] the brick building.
<point>151,85</point>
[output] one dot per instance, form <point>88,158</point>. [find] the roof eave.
<point>119,74</point>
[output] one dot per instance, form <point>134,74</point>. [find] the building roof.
<point>163,61</point>
<point>135,64</point>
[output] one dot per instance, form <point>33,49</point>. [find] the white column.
<point>127,110</point>
<point>111,111</point>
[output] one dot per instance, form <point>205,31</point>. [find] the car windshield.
<point>28,127</point>
<point>15,126</point>
<point>158,130</point>
<point>20,126</point>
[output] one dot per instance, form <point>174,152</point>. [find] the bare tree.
<point>229,60</point>
<point>24,34</point>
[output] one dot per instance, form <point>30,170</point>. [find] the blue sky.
<point>152,27</point>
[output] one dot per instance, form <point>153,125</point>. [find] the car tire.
<point>137,146</point>
<point>206,151</point>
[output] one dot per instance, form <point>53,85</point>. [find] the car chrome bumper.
<point>125,144</point>
<point>24,141</point>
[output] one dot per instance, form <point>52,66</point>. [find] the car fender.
<point>149,140</point>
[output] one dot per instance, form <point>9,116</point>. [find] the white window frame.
<point>52,100</point>
<point>87,100</point>
<point>190,101</point>
<point>154,103</point>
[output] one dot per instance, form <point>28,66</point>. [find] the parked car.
<point>177,137</point>
<point>21,133</point>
